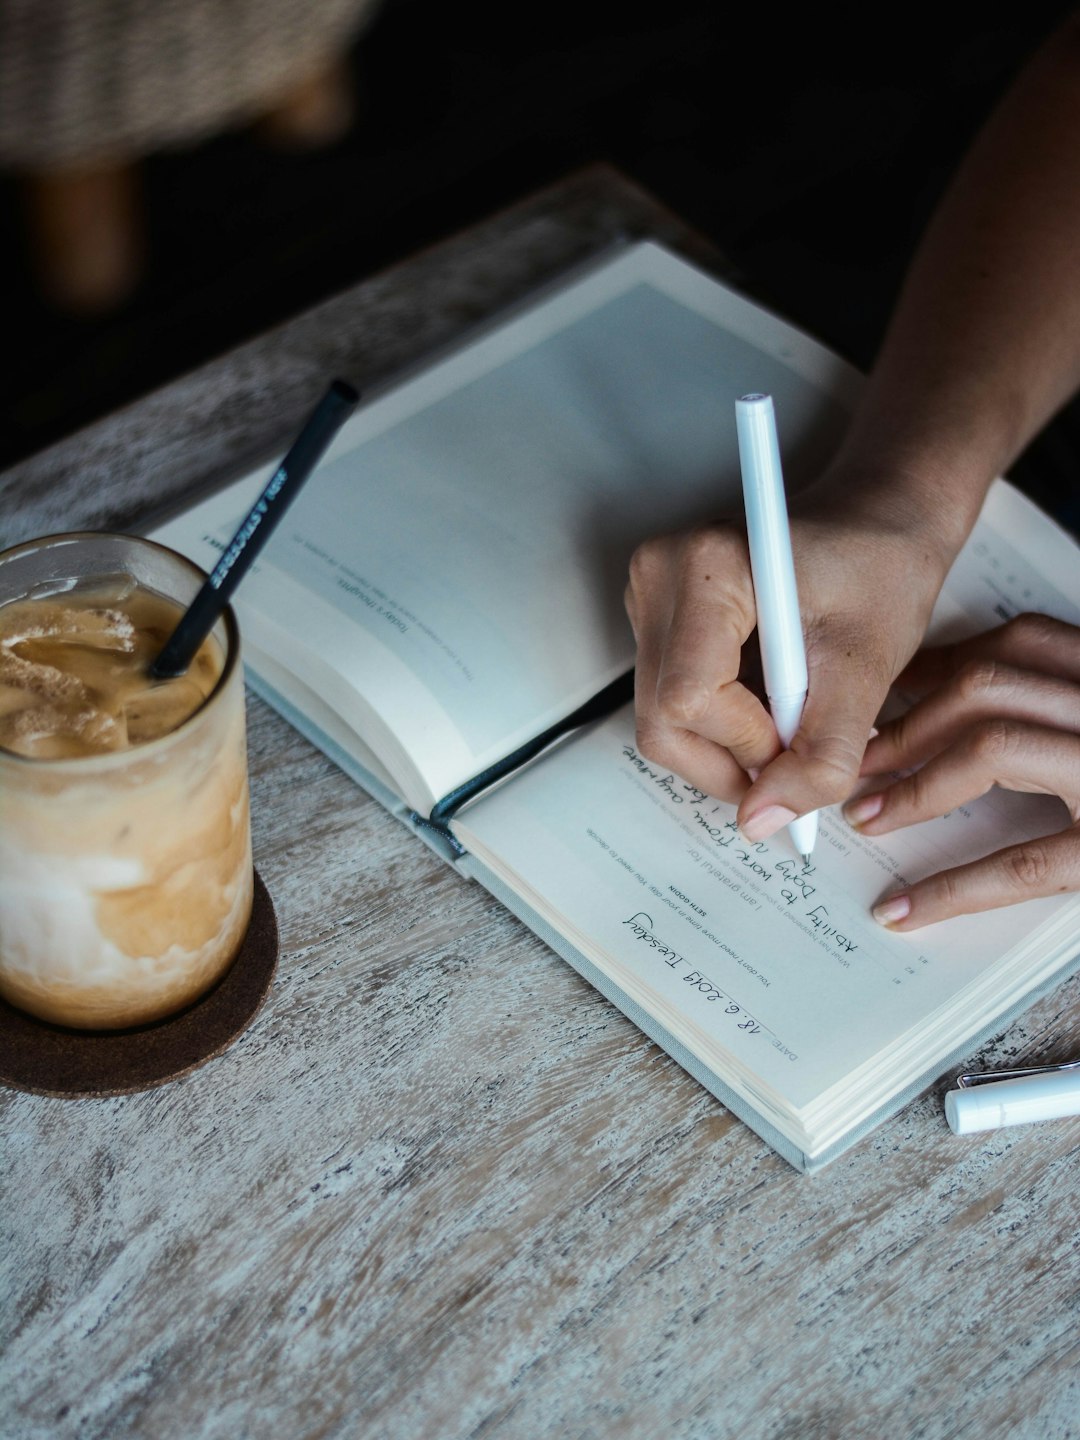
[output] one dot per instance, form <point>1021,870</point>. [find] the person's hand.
<point>1002,709</point>
<point>866,582</point>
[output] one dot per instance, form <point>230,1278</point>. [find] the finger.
<point>822,765</point>
<point>734,719</point>
<point>710,767</point>
<point>677,747</point>
<point>650,624</point>
<point>708,627</point>
<point>982,689</point>
<point>1048,866</point>
<point>1012,754</point>
<point>1030,641</point>
<point>698,686</point>
<point>691,758</point>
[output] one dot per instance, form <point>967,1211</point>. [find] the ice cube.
<point>13,694</point>
<point>34,731</point>
<point>13,698</point>
<point>52,587</point>
<point>99,629</point>
<point>9,729</point>
<point>106,630</point>
<point>99,731</point>
<point>49,732</point>
<point>160,708</point>
<point>39,680</point>
<point>107,590</point>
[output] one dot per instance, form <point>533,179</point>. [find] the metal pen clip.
<point>989,1077</point>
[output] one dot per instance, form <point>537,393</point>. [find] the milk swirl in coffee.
<point>125,859</point>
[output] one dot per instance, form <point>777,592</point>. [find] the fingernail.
<point>753,772</point>
<point>857,812</point>
<point>766,822</point>
<point>896,907</point>
<point>874,732</point>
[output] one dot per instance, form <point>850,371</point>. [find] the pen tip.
<point>805,859</point>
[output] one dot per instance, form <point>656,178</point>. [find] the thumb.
<point>821,766</point>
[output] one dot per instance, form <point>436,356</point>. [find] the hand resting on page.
<point>1001,709</point>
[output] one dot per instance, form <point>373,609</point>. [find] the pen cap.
<point>769,538</point>
<point>993,1105</point>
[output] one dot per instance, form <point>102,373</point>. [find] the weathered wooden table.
<point>439,1188</point>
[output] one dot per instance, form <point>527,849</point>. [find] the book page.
<point>1016,560</point>
<point>472,528</point>
<point>770,969</point>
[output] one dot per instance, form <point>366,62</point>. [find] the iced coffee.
<point>125,851</point>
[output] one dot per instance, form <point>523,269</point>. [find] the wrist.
<point>922,506</point>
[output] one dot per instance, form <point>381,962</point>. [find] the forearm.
<point>984,344</point>
<point>983,347</point>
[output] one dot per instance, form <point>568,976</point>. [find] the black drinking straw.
<point>307,450</point>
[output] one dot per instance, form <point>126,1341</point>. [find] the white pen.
<point>783,651</point>
<point>1013,1097</point>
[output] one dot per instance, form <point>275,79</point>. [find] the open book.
<point>441,612</point>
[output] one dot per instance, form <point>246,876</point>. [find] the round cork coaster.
<point>51,1060</point>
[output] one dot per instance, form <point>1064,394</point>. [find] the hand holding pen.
<point>866,586</point>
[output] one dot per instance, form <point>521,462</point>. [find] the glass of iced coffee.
<point>125,846</point>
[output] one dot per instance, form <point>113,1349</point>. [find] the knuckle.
<point>901,733</point>
<point>1028,867</point>
<point>704,549</point>
<point>682,700</point>
<point>645,565</point>
<point>655,743</point>
<point>752,742</point>
<point>994,740</point>
<point>916,792</point>
<point>976,679</point>
<point>1030,630</point>
<point>949,896</point>
<point>834,768</point>
<point>637,612</point>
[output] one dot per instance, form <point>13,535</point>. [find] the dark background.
<point>810,148</point>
